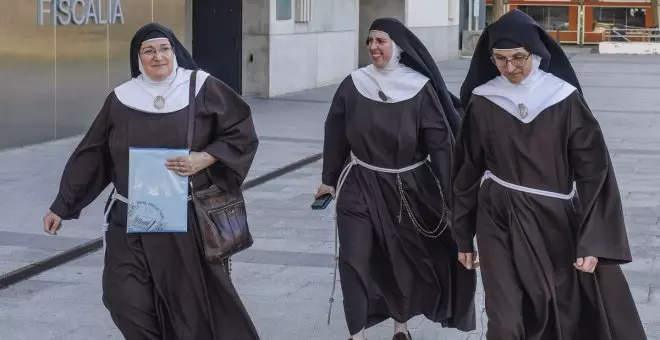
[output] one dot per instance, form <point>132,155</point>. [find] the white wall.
<point>256,27</point>
<point>435,22</point>
<point>283,56</point>
<point>435,26</point>
<point>318,53</point>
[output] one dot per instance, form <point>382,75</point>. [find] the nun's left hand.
<point>191,164</point>
<point>586,264</point>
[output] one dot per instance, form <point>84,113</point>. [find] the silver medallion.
<point>523,110</point>
<point>382,96</point>
<point>159,102</point>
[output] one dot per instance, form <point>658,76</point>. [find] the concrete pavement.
<point>285,279</point>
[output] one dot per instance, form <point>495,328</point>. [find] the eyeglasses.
<point>150,52</point>
<point>517,61</point>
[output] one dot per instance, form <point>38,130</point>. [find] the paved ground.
<point>286,277</point>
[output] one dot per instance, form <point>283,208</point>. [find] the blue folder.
<point>157,197</point>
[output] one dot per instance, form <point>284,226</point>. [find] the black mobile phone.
<point>322,202</point>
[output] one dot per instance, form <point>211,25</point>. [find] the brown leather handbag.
<point>221,215</point>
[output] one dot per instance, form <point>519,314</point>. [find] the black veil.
<point>417,57</point>
<point>152,31</point>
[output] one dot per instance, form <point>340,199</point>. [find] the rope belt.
<point>489,175</point>
<point>404,203</point>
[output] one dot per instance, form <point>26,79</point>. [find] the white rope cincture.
<point>114,197</point>
<point>403,204</point>
<point>489,175</point>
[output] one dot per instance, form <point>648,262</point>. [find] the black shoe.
<point>402,336</point>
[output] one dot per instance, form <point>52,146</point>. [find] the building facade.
<point>586,21</point>
<point>294,45</point>
<point>61,58</point>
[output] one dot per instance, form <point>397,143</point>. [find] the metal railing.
<point>631,34</point>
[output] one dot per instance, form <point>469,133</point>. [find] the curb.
<point>69,255</point>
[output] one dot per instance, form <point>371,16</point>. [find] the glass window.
<point>619,17</point>
<point>283,9</point>
<point>551,18</point>
<point>489,14</point>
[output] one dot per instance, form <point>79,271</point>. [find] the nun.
<point>534,181</point>
<point>158,285</point>
<point>387,158</point>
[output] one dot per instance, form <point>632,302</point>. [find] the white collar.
<point>139,93</point>
<point>397,81</point>
<point>534,94</point>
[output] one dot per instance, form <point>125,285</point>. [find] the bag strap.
<point>191,108</point>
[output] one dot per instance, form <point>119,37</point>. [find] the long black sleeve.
<point>469,166</point>
<point>88,171</point>
<point>602,231</point>
<point>235,140</point>
<point>336,148</point>
<point>437,139</point>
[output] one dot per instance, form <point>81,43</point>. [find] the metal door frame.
<point>217,39</point>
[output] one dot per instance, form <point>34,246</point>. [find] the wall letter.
<point>118,13</point>
<point>64,10</point>
<point>78,4</point>
<point>41,11</point>
<point>91,12</point>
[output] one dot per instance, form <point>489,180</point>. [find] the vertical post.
<point>482,15</point>
<point>655,8</point>
<point>498,9</point>
<point>470,14</point>
<point>581,24</point>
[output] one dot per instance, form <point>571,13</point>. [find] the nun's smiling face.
<point>156,56</point>
<point>514,64</point>
<point>380,48</point>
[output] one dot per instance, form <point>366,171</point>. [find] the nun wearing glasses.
<point>158,285</point>
<point>533,180</point>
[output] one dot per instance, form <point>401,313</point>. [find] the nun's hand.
<point>191,164</point>
<point>52,223</point>
<point>324,189</point>
<point>586,264</point>
<point>469,260</point>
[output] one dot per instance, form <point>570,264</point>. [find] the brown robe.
<point>528,243</point>
<point>157,285</point>
<point>388,269</point>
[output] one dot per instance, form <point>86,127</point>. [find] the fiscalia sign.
<point>80,12</point>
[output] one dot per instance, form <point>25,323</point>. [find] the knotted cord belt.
<point>114,197</point>
<point>489,175</point>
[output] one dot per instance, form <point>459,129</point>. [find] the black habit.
<point>527,242</point>
<point>388,269</point>
<point>158,285</point>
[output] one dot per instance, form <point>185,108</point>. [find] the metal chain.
<point>405,204</point>
<point>226,266</point>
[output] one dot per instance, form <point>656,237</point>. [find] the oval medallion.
<point>523,110</point>
<point>382,96</point>
<point>159,102</point>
